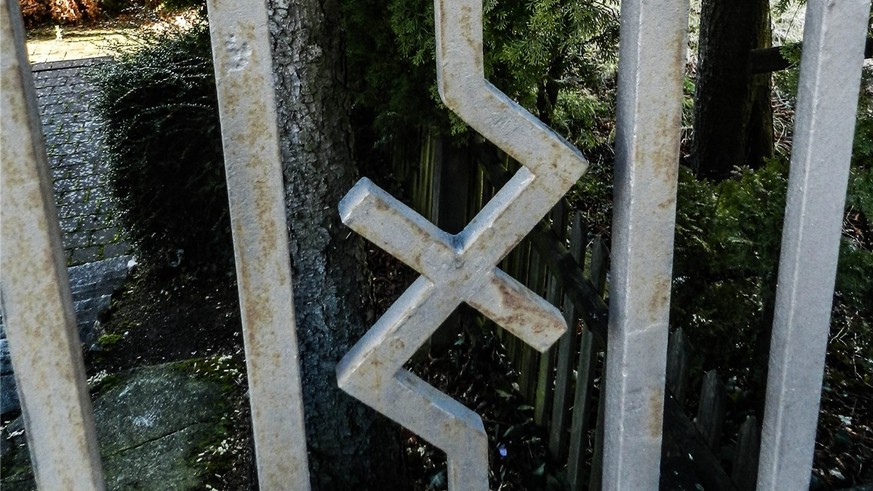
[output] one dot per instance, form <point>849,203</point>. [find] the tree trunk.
<point>347,442</point>
<point>733,119</point>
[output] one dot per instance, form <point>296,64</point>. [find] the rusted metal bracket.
<point>458,268</point>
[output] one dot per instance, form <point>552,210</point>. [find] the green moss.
<point>222,370</point>
<point>102,382</point>
<point>109,340</point>
<point>218,449</point>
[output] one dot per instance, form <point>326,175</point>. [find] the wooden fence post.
<point>677,365</point>
<point>710,410</point>
<point>546,370</point>
<point>559,433</point>
<point>451,171</point>
<point>598,273</point>
<point>745,471</point>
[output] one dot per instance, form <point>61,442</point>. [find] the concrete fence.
<point>453,267</point>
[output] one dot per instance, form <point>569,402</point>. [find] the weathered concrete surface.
<point>37,306</point>
<point>244,81</point>
<point>92,286</point>
<point>649,115</point>
<point>149,424</point>
<point>827,98</point>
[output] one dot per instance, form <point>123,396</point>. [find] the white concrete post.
<point>34,287</point>
<point>830,75</point>
<point>246,101</point>
<point>651,69</point>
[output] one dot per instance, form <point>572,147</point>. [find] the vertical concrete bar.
<point>34,288</point>
<point>651,68</point>
<point>462,267</point>
<point>246,100</point>
<point>833,53</point>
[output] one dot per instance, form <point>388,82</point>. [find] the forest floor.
<point>178,318</point>
<point>181,317</point>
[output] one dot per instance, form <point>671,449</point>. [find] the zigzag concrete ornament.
<point>458,268</point>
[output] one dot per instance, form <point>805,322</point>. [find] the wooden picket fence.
<point>449,185</point>
<point>567,264</point>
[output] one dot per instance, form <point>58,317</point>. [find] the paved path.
<point>76,45</point>
<point>76,159</point>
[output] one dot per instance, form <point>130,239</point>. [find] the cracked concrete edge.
<point>193,430</point>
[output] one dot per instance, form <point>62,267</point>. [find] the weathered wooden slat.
<point>553,294</point>
<point>480,193</point>
<point>589,348</point>
<point>581,415</point>
<point>745,471</point>
<point>530,370</point>
<point>525,261</point>
<point>711,409</point>
<point>677,364</point>
<point>595,482</point>
<point>559,435</point>
<point>568,273</point>
<point>545,371</point>
<point>686,453</point>
<point>450,188</point>
<point>514,345</point>
<point>427,202</point>
<point>416,175</point>
<point>452,177</point>
<point>599,265</point>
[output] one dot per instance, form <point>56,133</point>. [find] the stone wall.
<point>77,161</point>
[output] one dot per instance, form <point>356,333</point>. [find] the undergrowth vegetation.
<point>67,12</point>
<point>391,58</point>
<point>157,104</point>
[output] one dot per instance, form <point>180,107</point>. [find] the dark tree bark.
<point>767,60</point>
<point>347,442</point>
<point>733,119</point>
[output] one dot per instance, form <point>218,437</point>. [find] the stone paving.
<point>75,156</point>
<point>77,45</point>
